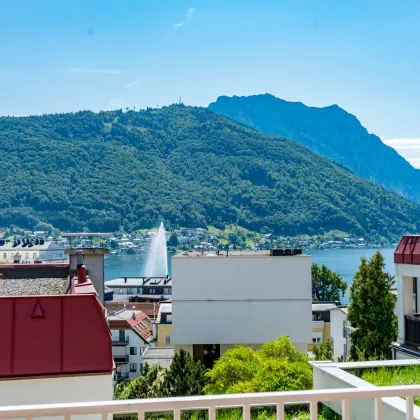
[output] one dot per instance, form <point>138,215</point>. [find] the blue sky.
<point>363,55</point>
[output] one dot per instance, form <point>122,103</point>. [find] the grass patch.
<point>394,376</point>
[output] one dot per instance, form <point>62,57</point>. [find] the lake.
<point>343,261</point>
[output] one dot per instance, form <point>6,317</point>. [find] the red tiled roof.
<point>140,325</point>
<point>53,335</point>
<point>408,250</point>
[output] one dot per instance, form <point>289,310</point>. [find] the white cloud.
<point>133,83</point>
<point>116,103</point>
<point>189,13</point>
<point>407,148</point>
<point>91,71</point>
<point>188,16</point>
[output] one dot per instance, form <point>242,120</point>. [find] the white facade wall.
<point>337,319</point>
<point>404,274</point>
<point>241,299</point>
<point>134,341</point>
<point>67,389</point>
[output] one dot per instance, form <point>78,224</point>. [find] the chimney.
<point>81,269</point>
<point>125,279</point>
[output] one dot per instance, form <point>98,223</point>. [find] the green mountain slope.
<point>329,131</point>
<point>188,166</point>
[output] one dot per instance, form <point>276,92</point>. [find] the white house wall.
<point>337,319</point>
<point>233,300</point>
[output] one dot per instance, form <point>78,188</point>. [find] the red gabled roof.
<point>53,335</point>
<point>408,250</point>
<point>139,325</point>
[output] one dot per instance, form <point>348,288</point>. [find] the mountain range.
<point>187,166</point>
<point>329,131</point>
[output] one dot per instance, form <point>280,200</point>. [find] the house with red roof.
<point>131,332</point>
<point>407,276</point>
<point>56,346</point>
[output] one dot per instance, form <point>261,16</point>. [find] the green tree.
<point>326,284</point>
<point>371,311</point>
<point>277,366</point>
<point>184,377</point>
<point>324,351</point>
<point>148,385</point>
<point>173,240</point>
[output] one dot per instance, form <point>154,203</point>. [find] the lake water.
<point>343,261</point>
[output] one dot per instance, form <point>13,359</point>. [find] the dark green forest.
<point>186,166</point>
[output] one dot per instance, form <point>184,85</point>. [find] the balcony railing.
<point>412,330</point>
<point>213,402</point>
<point>121,360</point>
<point>118,342</point>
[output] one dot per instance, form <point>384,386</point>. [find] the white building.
<point>29,252</point>
<point>243,298</point>
<point>131,332</point>
<point>407,274</point>
<point>141,286</point>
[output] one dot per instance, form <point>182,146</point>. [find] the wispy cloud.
<point>91,71</point>
<point>189,13</point>
<point>133,83</point>
<point>407,148</point>
<point>116,103</point>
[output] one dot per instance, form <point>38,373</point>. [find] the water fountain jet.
<point>157,258</point>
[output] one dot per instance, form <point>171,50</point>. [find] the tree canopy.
<point>371,312</point>
<point>276,366</point>
<point>186,166</point>
<point>326,284</point>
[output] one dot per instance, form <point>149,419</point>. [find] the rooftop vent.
<point>2,242</point>
<point>281,252</point>
<point>41,242</point>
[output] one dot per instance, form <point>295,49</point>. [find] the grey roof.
<point>139,282</point>
<point>165,308</point>
<point>33,287</point>
<point>159,353</point>
<point>319,307</point>
<point>233,253</point>
<point>8,246</point>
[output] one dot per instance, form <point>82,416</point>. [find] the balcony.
<point>121,360</point>
<point>412,329</point>
<point>212,402</point>
<point>118,342</point>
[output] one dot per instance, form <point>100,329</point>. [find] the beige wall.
<point>326,333</point>
<point>162,331</point>
<point>66,389</point>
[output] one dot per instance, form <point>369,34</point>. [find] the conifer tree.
<point>371,311</point>
<point>185,376</point>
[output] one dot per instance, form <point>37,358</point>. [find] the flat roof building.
<point>240,297</point>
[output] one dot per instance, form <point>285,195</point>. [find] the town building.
<point>164,326</point>
<point>407,274</point>
<point>162,356</point>
<point>328,322</point>
<point>30,251</point>
<point>131,333</point>
<point>56,346</point>
<point>144,288</point>
<point>242,297</point>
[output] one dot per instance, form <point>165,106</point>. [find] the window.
<point>133,351</point>
<point>4,256</point>
<point>317,338</point>
<point>122,335</point>
<point>167,339</point>
<point>152,291</point>
<point>27,256</point>
<point>168,317</point>
<point>34,256</point>
<point>133,367</point>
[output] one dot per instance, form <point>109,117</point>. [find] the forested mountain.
<point>187,166</point>
<point>329,131</point>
